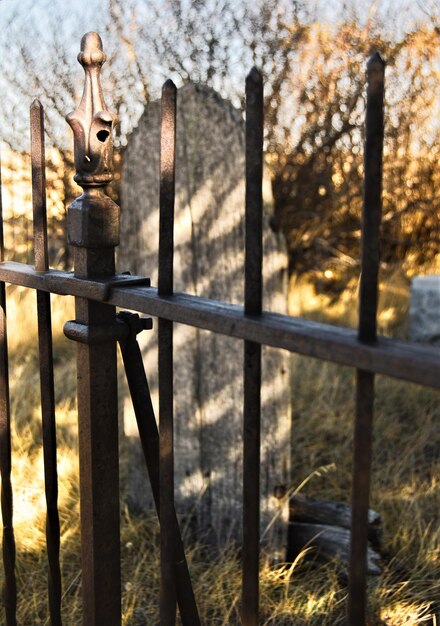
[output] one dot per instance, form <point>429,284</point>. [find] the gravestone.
<point>424,310</point>
<point>209,262</point>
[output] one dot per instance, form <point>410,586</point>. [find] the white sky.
<point>88,11</point>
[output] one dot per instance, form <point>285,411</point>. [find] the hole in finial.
<point>102,135</point>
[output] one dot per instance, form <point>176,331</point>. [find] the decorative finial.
<point>93,218</point>
<point>91,122</point>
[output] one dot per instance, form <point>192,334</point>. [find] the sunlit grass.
<point>405,490</point>
<point>322,305</point>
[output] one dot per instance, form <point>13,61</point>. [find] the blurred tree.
<point>203,41</point>
<point>314,97</point>
<point>316,149</point>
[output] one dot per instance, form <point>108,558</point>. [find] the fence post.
<point>93,230</point>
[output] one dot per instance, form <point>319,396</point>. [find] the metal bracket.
<point>127,324</point>
<point>97,289</point>
<point>134,323</point>
<point>122,280</point>
<point>95,333</point>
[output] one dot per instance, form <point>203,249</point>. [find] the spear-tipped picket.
<point>252,351</point>
<point>168,546</point>
<point>372,205</point>
<point>46,363</point>
<point>363,434</point>
<point>8,539</point>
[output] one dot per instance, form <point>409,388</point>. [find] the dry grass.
<point>405,490</point>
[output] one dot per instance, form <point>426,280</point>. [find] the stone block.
<point>424,311</point>
<point>209,262</point>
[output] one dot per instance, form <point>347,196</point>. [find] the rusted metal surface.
<point>372,205</point>
<point>93,228</point>
<point>253,297</point>
<point>8,539</point>
<point>252,351</point>
<point>96,333</point>
<point>167,187</point>
<point>46,363</point>
<point>399,359</point>
<point>92,123</point>
<point>165,356</point>
<point>66,283</point>
<point>149,436</point>
<point>38,166</point>
<point>93,218</point>
<point>363,433</point>
<point>99,471</point>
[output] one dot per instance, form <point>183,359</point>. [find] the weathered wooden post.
<point>93,230</point>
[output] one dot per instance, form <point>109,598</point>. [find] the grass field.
<point>405,487</point>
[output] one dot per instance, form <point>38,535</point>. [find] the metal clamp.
<point>127,324</point>
<point>95,333</point>
<point>134,323</point>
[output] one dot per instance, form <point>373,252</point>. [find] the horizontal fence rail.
<point>398,359</point>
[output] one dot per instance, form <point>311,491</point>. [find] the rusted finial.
<point>91,122</point>
<point>93,218</point>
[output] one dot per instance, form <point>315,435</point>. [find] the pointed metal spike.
<point>36,104</point>
<point>374,59</point>
<point>169,86</point>
<point>375,75</point>
<point>255,75</point>
<point>39,186</point>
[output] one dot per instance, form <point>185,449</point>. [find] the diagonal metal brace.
<point>149,436</point>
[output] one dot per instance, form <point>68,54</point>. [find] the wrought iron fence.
<point>93,225</point>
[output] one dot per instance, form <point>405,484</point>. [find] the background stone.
<point>209,262</point>
<point>424,311</point>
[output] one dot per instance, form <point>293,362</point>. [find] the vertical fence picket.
<point>46,363</point>
<point>252,351</point>
<point>368,296</point>
<point>8,539</point>
<point>165,362</point>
